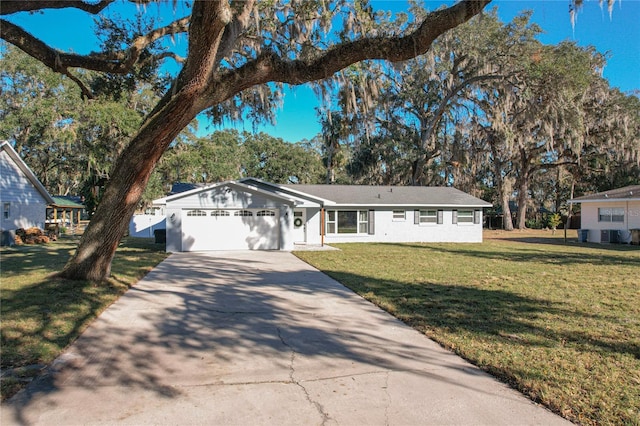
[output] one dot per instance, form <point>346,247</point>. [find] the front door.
<point>299,226</point>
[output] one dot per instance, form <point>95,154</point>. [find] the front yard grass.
<point>559,322</point>
<point>41,315</point>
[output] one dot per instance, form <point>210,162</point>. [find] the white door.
<point>230,229</point>
<point>299,226</point>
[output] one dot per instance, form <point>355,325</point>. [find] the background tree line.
<point>488,109</point>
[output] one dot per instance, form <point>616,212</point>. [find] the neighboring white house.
<point>23,198</point>
<point>610,216</point>
<point>257,215</point>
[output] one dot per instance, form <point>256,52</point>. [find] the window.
<point>399,215</point>
<point>611,214</point>
<point>196,213</point>
<point>266,213</point>
<point>428,216</point>
<point>465,216</point>
<point>331,222</point>
<point>6,210</point>
<point>242,213</point>
<point>219,213</point>
<point>347,222</point>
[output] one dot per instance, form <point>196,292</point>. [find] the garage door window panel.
<point>244,213</point>
<point>196,213</point>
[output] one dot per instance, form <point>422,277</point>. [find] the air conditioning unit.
<point>610,236</point>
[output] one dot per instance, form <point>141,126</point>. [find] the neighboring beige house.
<point>610,216</point>
<point>23,199</point>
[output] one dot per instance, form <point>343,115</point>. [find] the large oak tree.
<point>233,46</point>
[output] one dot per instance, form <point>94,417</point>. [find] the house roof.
<point>237,184</point>
<point>353,195</point>
<point>66,201</point>
<point>392,195</point>
<point>626,193</point>
<point>6,147</point>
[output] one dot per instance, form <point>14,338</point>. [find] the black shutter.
<point>372,222</point>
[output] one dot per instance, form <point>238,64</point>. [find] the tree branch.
<point>8,7</point>
<point>119,62</point>
<point>269,67</point>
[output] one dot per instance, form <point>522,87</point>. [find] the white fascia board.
<point>413,206</point>
<point>603,200</point>
<point>193,191</point>
<point>159,202</point>
<point>280,188</point>
<point>271,194</point>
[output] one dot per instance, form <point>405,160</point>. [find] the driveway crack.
<point>325,416</point>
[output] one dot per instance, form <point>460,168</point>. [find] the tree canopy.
<point>237,51</point>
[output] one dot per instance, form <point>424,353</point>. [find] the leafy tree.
<point>274,160</point>
<point>232,46</point>
<point>66,140</point>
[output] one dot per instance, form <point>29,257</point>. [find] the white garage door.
<point>228,229</point>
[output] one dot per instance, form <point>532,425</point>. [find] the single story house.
<point>23,198</point>
<point>257,215</point>
<point>610,216</point>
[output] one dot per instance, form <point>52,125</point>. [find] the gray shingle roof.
<point>631,192</point>
<point>391,195</point>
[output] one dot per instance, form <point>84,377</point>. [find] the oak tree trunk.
<point>92,260</point>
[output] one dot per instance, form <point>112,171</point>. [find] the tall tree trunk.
<point>507,223</point>
<point>523,197</point>
<point>523,189</point>
<point>92,259</point>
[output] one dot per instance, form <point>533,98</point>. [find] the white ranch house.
<point>256,215</point>
<point>610,216</point>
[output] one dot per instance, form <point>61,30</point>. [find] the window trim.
<point>399,219</point>
<point>608,214</point>
<point>6,211</point>
<point>430,217</point>
<point>332,221</point>
<point>196,213</point>
<point>467,218</point>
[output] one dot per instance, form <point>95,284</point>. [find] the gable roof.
<point>369,195</point>
<point>236,184</point>
<point>627,193</point>
<point>349,195</point>
<point>67,202</point>
<point>6,147</point>
<point>432,196</point>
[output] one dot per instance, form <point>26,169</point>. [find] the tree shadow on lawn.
<point>201,320</point>
<point>575,255</point>
<point>483,312</point>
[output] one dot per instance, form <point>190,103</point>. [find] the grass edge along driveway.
<point>42,315</point>
<point>559,322</point>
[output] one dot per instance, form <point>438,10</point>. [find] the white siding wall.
<point>221,198</point>
<point>389,230</point>
<point>143,225</point>
<point>589,217</point>
<point>27,206</point>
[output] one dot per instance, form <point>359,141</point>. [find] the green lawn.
<point>42,315</point>
<point>560,322</point>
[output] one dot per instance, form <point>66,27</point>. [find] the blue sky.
<point>297,120</point>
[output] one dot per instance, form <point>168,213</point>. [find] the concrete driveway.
<point>259,338</point>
